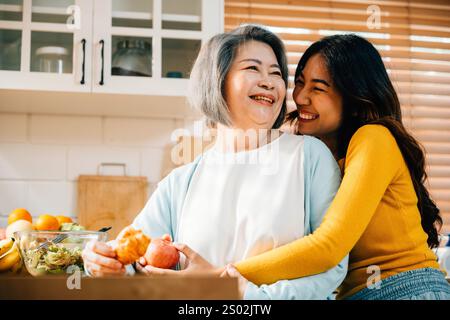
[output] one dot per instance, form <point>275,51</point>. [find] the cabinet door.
<point>149,46</point>
<point>46,44</point>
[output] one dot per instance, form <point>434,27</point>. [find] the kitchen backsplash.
<point>41,156</point>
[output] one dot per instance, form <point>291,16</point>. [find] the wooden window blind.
<point>413,37</point>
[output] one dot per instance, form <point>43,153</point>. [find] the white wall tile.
<point>13,127</point>
<point>73,200</point>
<point>54,198</point>
<point>85,161</point>
<point>195,126</point>
<point>48,173</point>
<point>138,132</point>
<point>12,195</point>
<point>66,129</point>
<point>34,162</point>
<point>153,163</point>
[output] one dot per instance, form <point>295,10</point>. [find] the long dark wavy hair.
<point>368,97</point>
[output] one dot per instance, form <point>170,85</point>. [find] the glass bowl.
<point>54,258</point>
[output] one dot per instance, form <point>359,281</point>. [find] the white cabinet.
<point>42,46</point>
<point>104,46</point>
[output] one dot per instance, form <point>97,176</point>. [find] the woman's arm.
<point>317,287</point>
<point>372,162</point>
<point>322,178</point>
<point>154,220</point>
<point>159,215</point>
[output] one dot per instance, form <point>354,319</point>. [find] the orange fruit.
<point>46,222</point>
<point>19,214</point>
<point>63,219</point>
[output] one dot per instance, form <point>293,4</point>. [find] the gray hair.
<point>207,80</point>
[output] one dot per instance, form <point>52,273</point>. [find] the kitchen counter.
<point>139,287</point>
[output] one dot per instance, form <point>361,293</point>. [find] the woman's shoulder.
<point>373,133</point>
<point>305,140</point>
<point>374,139</point>
<point>315,147</point>
<point>181,173</point>
<point>311,147</point>
<point>317,154</point>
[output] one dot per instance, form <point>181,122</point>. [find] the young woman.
<point>242,197</point>
<point>382,214</point>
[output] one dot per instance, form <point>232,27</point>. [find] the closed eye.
<point>278,73</point>
<point>318,89</point>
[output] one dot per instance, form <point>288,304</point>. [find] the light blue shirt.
<point>321,179</point>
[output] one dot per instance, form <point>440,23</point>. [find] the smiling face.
<point>319,104</point>
<point>254,87</point>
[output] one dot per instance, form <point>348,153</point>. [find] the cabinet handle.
<point>82,64</point>
<point>102,42</point>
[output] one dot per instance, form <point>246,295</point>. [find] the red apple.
<point>162,254</point>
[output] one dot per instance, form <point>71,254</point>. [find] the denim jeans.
<point>419,284</point>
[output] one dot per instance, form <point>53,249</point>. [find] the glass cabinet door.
<point>11,10</point>
<point>182,15</point>
<point>178,57</point>
<point>10,39</point>
<point>149,46</point>
<point>10,49</point>
<point>47,43</point>
<point>132,13</point>
<point>51,52</point>
<point>131,54</point>
<point>52,11</point>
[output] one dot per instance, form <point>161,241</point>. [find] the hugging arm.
<point>322,178</point>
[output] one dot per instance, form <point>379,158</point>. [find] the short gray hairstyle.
<point>207,80</point>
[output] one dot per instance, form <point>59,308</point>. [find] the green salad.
<point>71,226</point>
<point>55,259</point>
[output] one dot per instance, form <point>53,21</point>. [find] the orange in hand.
<point>19,214</point>
<point>46,222</point>
<point>63,219</point>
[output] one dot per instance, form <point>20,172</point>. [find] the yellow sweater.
<point>374,217</point>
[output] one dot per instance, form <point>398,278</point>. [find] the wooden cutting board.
<point>114,201</point>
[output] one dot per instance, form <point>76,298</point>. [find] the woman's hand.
<point>231,271</point>
<point>195,263</point>
<point>100,259</point>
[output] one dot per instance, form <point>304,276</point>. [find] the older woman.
<point>256,188</point>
